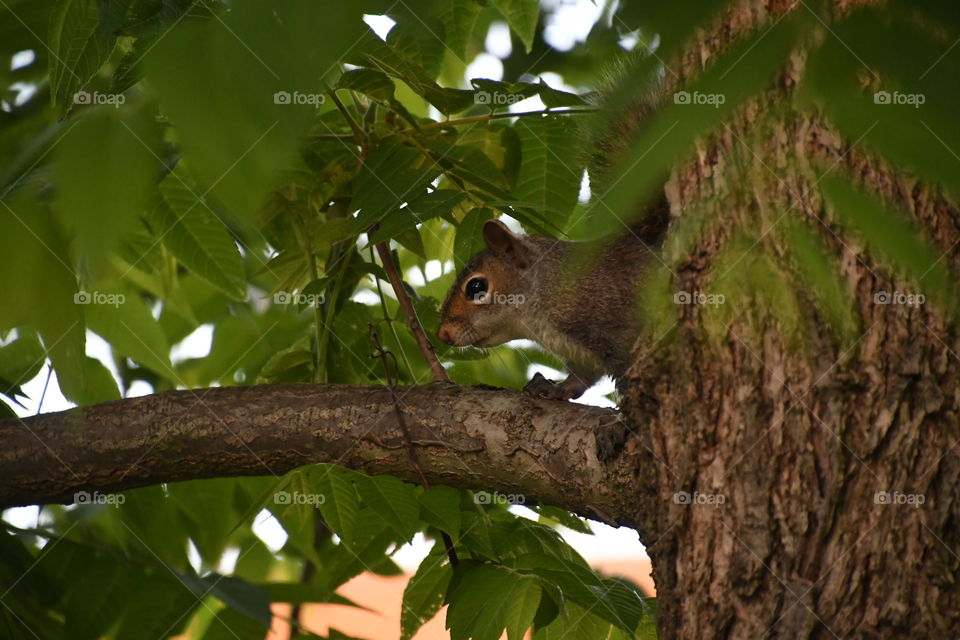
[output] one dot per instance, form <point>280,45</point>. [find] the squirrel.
<point>524,286</point>
<point>521,286</point>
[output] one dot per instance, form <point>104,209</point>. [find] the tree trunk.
<point>821,482</point>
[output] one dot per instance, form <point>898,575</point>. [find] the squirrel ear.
<point>503,242</point>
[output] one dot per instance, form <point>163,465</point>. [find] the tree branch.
<point>469,437</point>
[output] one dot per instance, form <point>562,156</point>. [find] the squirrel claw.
<point>540,387</point>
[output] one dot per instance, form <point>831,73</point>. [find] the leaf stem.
<point>496,116</point>
<point>359,134</point>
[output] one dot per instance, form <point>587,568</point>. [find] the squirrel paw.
<point>540,387</point>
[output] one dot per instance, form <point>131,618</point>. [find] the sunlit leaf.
<point>549,174</point>
<point>522,16</point>
<point>424,593</point>
<point>196,235</point>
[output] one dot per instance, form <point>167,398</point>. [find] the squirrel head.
<point>484,306</point>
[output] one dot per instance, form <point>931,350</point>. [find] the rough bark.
<point>799,441</point>
<point>467,437</point>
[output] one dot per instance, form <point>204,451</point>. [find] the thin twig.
<point>45,385</point>
<point>423,342</point>
<point>495,116</point>
<point>358,133</point>
<point>384,356</point>
<point>386,315</point>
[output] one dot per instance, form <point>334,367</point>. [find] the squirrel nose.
<point>445,334</point>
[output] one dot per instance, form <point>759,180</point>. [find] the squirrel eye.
<point>476,288</point>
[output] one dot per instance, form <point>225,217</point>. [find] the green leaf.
<point>578,622</point>
<point>517,537</point>
<point>342,562</point>
<point>821,274</point>
<point>459,19</point>
<point>393,500</point>
<point>106,168</point>
<point>148,523</point>
<point>423,596</point>
<point>610,599</point>
<point>388,180</point>
<point>123,320</point>
<point>247,69</point>
<point>485,600</point>
<point>894,237</point>
<point>564,517</point>
<point>96,385</point>
<point>496,93</point>
<point>672,26</point>
<point>553,98</point>
<point>79,46</point>
<point>206,508</point>
<point>194,234</point>
<point>476,535</point>
<point>432,205</point>
<point>374,52</point>
<point>648,626</point>
<point>341,504</point>
<point>525,600</point>
<point>549,175</point>
<point>290,365</point>
<point>906,111</point>
<point>239,595</point>
<point>411,241</point>
<point>522,16</point>
<point>374,84</point>
<point>500,159</point>
<point>449,101</point>
<point>381,56</point>
<point>440,507</point>
<point>415,37</point>
<point>39,286</point>
<point>744,70</point>
<point>5,410</point>
<point>21,361</point>
<point>99,585</point>
<point>469,239</point>
<point>155,605</point>
<point>230,624</point>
